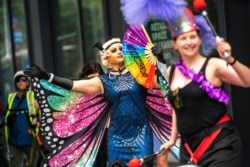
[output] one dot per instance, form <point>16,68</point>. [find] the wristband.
<point>51,77</point>
<point>233,62</point>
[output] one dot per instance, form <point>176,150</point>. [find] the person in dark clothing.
<point>200,102</point>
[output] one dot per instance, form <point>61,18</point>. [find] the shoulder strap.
<point>205,64</point>
<point>20,102</point>
<point>11,100</point>
<point>30,102</point>
<point>172,68</point>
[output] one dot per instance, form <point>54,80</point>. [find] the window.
<point>93,27</point>
<point>77,29</point>
<point>13,39</point>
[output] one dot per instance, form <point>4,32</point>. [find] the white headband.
<point>107,44</point>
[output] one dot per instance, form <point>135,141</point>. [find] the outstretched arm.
<point>93,85</point>
<point>38,72</point>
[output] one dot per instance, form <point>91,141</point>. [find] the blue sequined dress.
<point>129,134</point>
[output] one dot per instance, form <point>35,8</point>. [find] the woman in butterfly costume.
<point>115,100</point>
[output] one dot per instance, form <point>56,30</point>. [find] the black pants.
<point>225,151</point>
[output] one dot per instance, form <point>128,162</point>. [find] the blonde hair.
<point>105,53</point>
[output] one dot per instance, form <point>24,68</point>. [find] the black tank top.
<point>198,111</point>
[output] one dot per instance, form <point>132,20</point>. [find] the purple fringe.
<point>166,9</point>
<point>206,34</point>
<point>135,12</point>
<point>138,12</point>
<point>213,92</point>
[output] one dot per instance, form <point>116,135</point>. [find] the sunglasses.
<point>177,100</point>
<point>21,79</point>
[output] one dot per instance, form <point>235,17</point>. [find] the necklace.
<point>213,92</point>
<point>113,73</point>
<point>120,70</point>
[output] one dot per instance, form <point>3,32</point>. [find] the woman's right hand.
<point>36,72</point>
<point>166,147</point>
<point>162,158</point>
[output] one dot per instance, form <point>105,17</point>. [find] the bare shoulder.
<point>92,81</point>
<point>218,71</point>
<point>96,81</point>
<point>97,84</point>
<point>216,64</point>
<point>217,61</point>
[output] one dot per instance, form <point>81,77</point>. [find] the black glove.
<point>37,72</point>
<point>158,52</point>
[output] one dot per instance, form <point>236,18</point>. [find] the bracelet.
<point>233,62</point>
<point>51,77</point>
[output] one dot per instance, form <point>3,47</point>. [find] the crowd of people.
<point>196,100</point>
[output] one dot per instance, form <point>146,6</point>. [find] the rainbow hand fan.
<point>138,57</point>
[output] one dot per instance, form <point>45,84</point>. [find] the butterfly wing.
<point>160,118</point>
<point>72,124</point>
